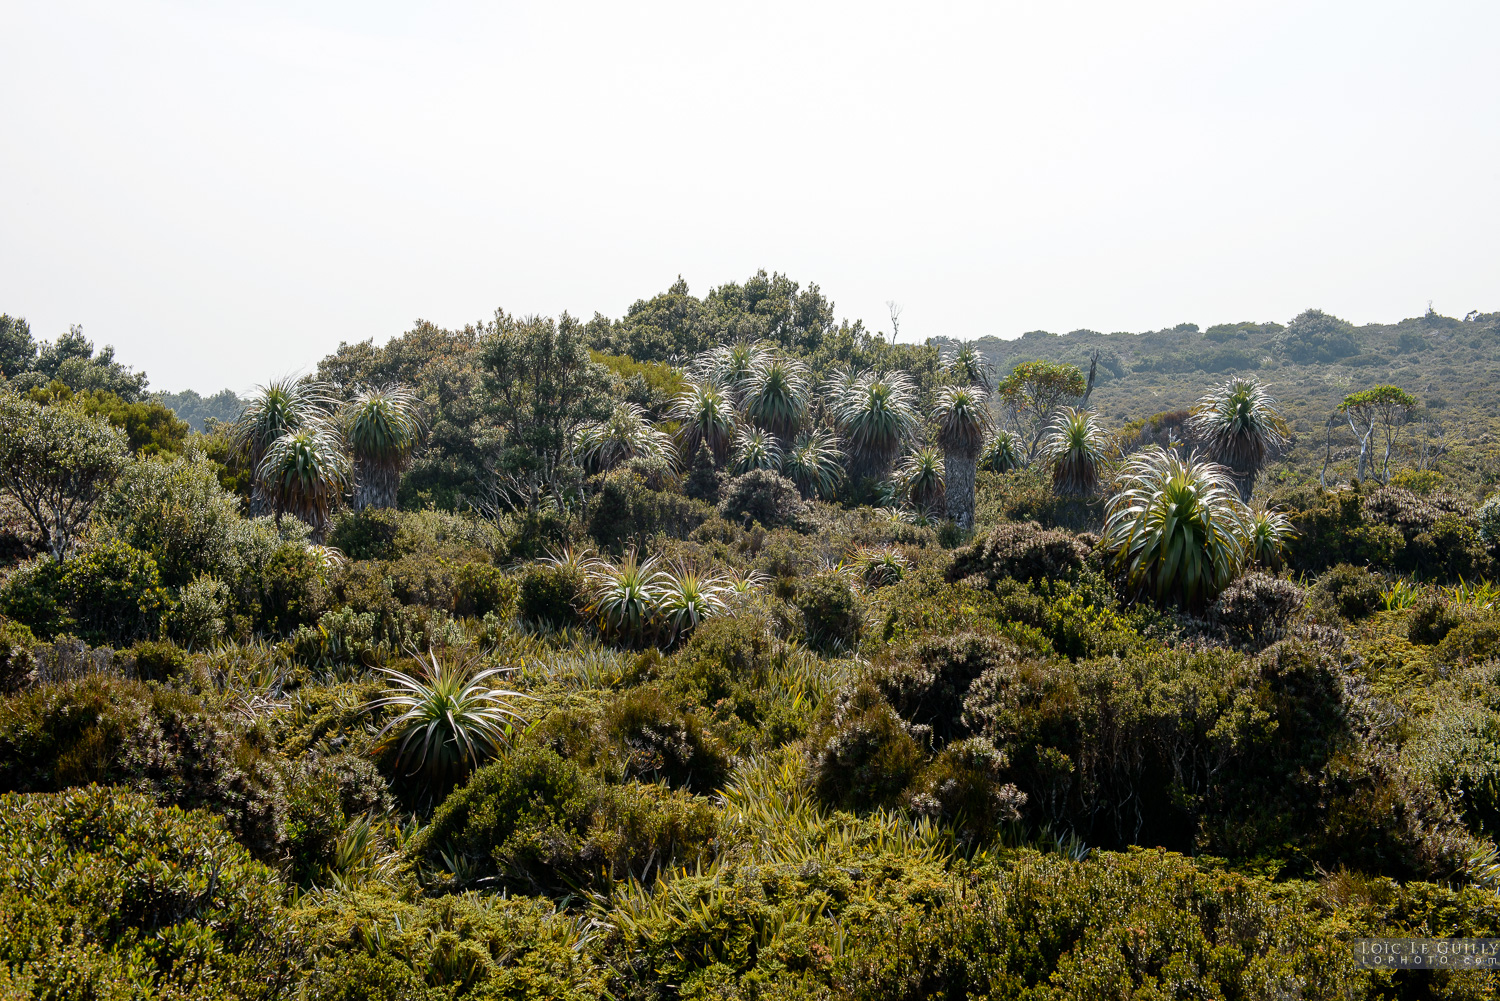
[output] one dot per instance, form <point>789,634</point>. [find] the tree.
<point>57,462</point>
<point>877,414</point>
<point>1239,425</point>
<point>277,408</point>
<point>776,396</point>
<point>962,417</point>
<point>305,472</point>
<point>813,463</point>
<point>17,349</point>
<point>1033,392</point>
<point>970,367</point>
<point>1386,408</point>
<point>383,427</point>
<point>624,434</point>
<point>705,415</point>
<point>1075,445</point>
<point>542,385</point>
<point>71,360</point>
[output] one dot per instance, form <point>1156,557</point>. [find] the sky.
<point>226,191</point>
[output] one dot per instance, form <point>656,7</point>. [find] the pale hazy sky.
<point>225,191</point>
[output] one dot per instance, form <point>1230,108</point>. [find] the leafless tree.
<point>895,308</point>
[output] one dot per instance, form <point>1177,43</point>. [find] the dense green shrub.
<point>964,786</point>
<point>178,513</point>
<point>627,508</point>
<point>762,496</point>
<point>1331,527</point>
<point>366,534</point>
<point>157,740</point>
<point>323,794</point>
<point>1431,619</point>
<point>114,593</point>
<point>926,680</point>
<point>105,895</point>
<point>541,824</point>
<point>200,614</point>
<point>1257,608</point>
<point>16,658</point>
<point>1351,592</point>
<point>1021,551</point>
<point>1470,641</point>
<point>659,741</point>
<point>159,661</point>
<point>550,595</point>
<point>862,755</point>
<point>831,617</point>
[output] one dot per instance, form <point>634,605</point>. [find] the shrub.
<point>626,510</point>
<point>1431,619</point>
<point>540,823</point>
<point>863,756</point>
<point>1331,527</point>
<point>199,616</point>
<point>367,534</point>
<point>158,661</point>
<point>762,496</point>
<point>1470,641</point>
<point>177,512</point>
<point>963,786</point>
<point>16,659</point>
<point>323,795</point>
<point>33,596</point>
<point>106,895</point>
<point>1021,551</point>
<point>926,680</point>
<point>550,595</point>
<point>1488,519</point>
<point>1352,592</point>
<point>660,741</point>
<point>1258,608</point>
<point>156,740</point>
<point>1451,549</point>
<point>114,593</point>
<point>831,618</point>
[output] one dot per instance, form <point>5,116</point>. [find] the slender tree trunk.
<point>1327,453</point>
<point>375,485</point>
<point>959,470</point>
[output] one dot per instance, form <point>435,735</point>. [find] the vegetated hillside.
<point>726,651</point>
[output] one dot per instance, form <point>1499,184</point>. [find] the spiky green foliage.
<point>1239,426</point>
<point>877,414</point>
<point>383,427</point>
<point>624,434</point>
<point>1176,526</point>
<point>1075,445</point>
<point>449,718</point>
<point>962,416</point>
<point>731,365</point>
<point>305,472</point>
<point>705,414</point>
<point>1268,533</point>
<point>776,395</point>
<point>755,448</point>
<point>274,409</point>
<point>920,477</point>
<point>1001,453</point>
<point>969,365</point>
<point>623,597</point>
<point>815,464</point>
<point>878,566</point>
<point>686,598</point>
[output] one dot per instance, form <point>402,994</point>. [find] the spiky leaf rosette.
<point>970,366</point>
<point>275,408</point>
<point>685,599</point>
<point>383,427</point>
<point>776,395</point>
<point>624,434</point>
<point>305,472</point>
<point>625,596</point>
<point>1075,444</point>
<point>705,414</point>
<point>755,448</point>
<point>730,365</point>
<point>449,718</point>
<point>1176,526</point>
<point>920,477</point>
<point>1001,453</point>
<point>962,416</point>
<point>879,567</point>
<point>1238,425</point>
<point>1269,532</point>
<point>877,414</point>
<point>815,464</point>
